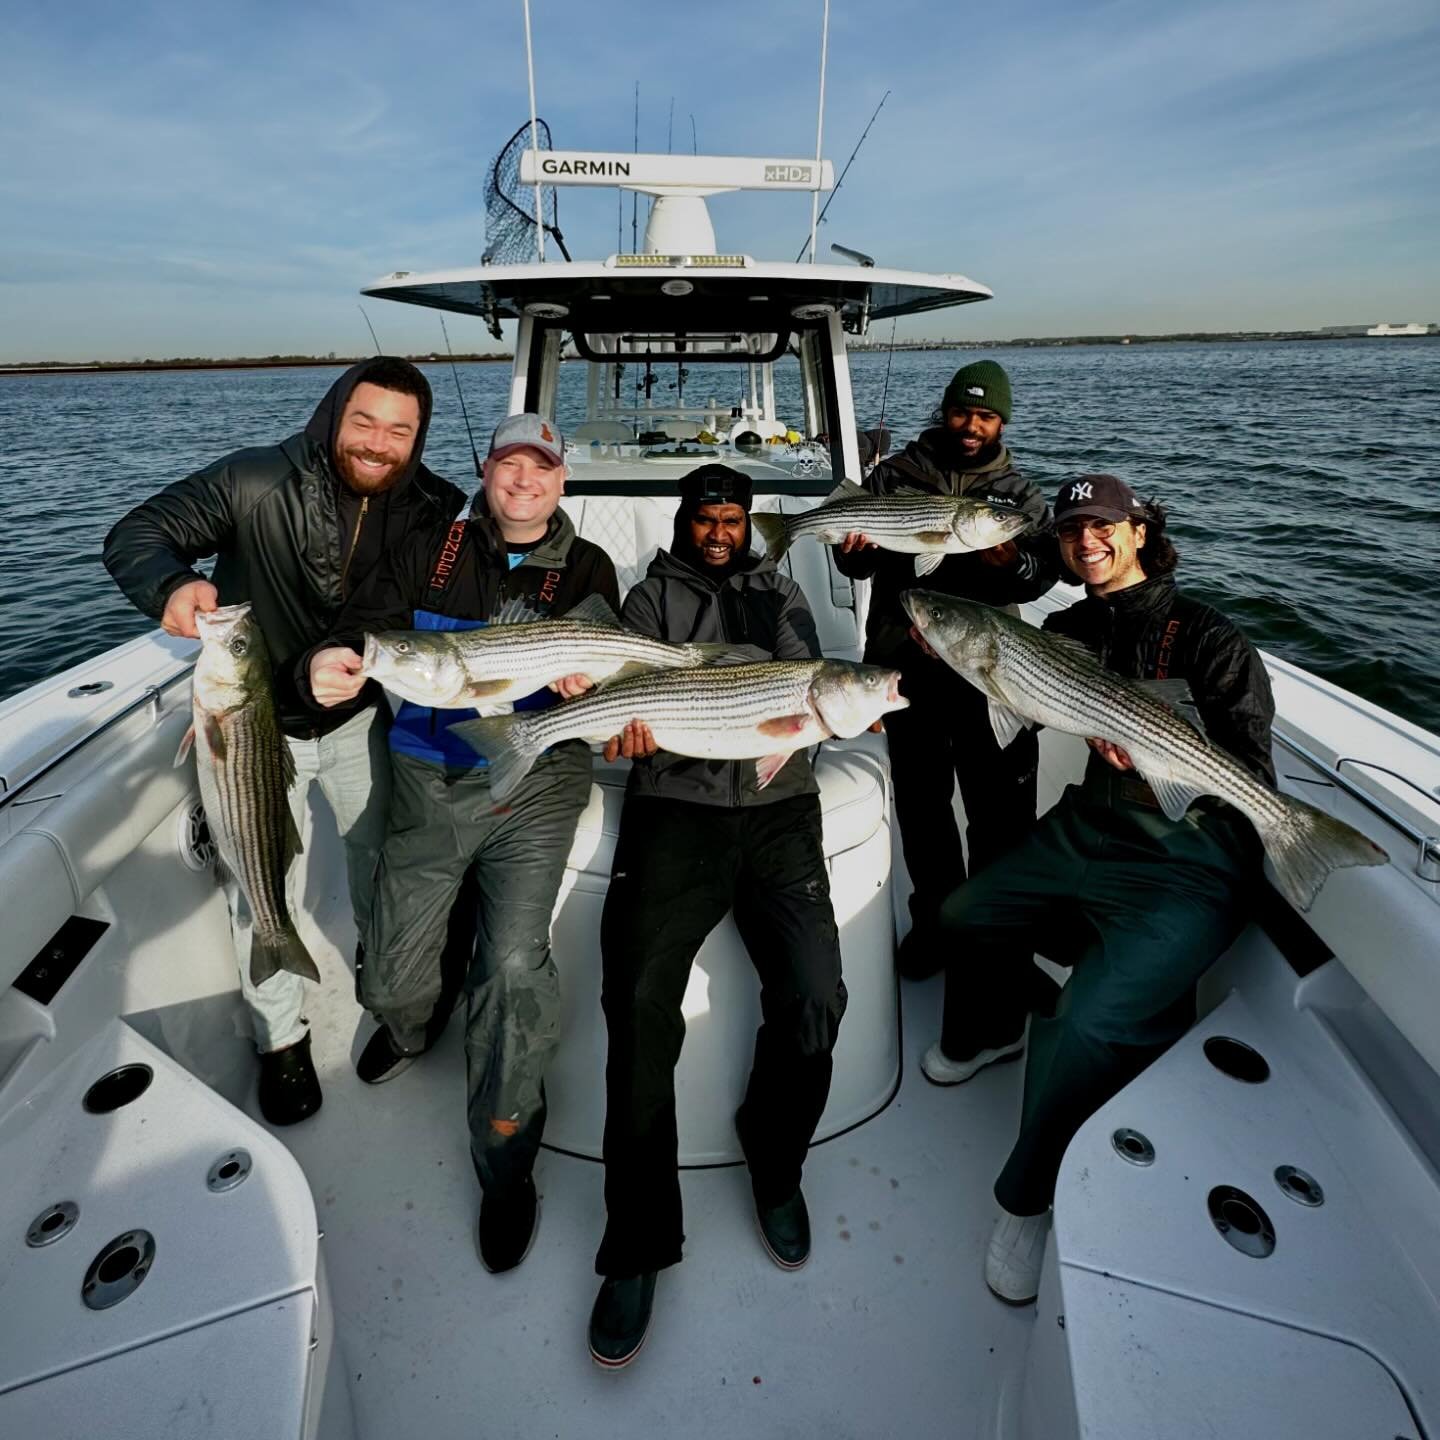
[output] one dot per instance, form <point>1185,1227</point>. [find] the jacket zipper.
<point>354,541</point>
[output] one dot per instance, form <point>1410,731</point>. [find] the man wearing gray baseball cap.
<point>516,544</point>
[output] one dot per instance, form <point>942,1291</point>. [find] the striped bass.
<point>519,654</point>
<point>1031,675</point>
<point>246,770</point>
<point>764,712</point>
<point>929,527</point>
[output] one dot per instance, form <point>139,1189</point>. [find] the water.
<point>1303,477</point>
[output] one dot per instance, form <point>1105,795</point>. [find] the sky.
<point>184,179</point>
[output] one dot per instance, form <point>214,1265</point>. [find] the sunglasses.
<point>1074,529</point>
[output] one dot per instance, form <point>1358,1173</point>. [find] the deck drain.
<point>1241,1221</point>
<point>118,1088</point>
<point>1131,1145</point>
<point>230,1170</point>
<point>192,835</point>
<point>1296,1185</point>
<point>52,1224</point>
<point>1237,1059</point>
<point>118,1270</point>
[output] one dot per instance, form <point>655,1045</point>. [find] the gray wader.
<point>441,823</point>
<point>1139,906</point>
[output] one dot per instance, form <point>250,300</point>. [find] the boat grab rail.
<point>1427,855</point>
<point>151,697</point>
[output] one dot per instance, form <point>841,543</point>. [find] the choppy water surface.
<point>1304,479</point>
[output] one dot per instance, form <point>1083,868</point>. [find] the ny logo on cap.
<point>1082,492</point>
<point>976,390</point>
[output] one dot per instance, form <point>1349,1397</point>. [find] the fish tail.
<point>774,532</point>
<point>281,950</point>
<point>1305,844</point>
<point>508,743</point>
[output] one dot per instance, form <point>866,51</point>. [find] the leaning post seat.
<point>722,1001</point>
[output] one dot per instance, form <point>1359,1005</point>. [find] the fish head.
<point>964,633</point>
<point>234,665</point>
<point>980,526</point>
<point>850,698</point>
<point>418,665</point>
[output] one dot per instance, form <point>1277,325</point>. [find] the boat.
<point>1247,1238</point>
<point>1405,328</point>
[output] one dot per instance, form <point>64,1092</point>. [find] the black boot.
<point>509,1219</point>
<point>380,1061</point>
<point>785,1231</point>
<point>289,1086</point>
<point>620,1319</point>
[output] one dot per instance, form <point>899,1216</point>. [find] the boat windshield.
<point>639,410</point>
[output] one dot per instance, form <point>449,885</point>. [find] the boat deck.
<point>889,1330</point>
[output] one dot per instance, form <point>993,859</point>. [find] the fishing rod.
<point>889,360</point>
<point>821,220</point>
<point>370,328</point>
<point>455,374</point>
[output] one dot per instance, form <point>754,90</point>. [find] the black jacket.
<point>930,463</point>
<point>1154,632</point>
<point>287,535</point>
<point>754,605</point>
<point>455,575</point>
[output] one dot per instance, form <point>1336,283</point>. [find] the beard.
<point>981,458</point>
<point>363,481</point>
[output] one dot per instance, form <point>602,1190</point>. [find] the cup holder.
<point>118,1088</point>
<point>118,1270</point>
<point>1242,1222</point>
<point>1237,1060</point>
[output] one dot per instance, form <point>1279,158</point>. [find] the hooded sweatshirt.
<point>287,534</point>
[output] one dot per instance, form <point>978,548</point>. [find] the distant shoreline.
<point>860,347</point>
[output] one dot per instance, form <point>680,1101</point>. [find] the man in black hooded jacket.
<point>697,839</point>
<point>294,528</point>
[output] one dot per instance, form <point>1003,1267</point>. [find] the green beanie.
<point>981,386</point>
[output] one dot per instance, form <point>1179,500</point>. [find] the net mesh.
<point>511,234</point>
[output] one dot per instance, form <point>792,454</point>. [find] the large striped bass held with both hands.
<point>1032,675</point>
<point>517,654</point>
<point>246,770</point>
<point>912,522</point>
<point>765,712</point>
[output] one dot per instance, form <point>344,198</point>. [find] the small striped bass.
<point>518,654</point>
<point>930,527</point>
<point>763,711</point>
<point>1031,675</point>
<point>245,770</point>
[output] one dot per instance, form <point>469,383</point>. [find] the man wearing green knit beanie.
<point>945,734</point>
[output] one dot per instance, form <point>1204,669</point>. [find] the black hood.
<point>325,422</point>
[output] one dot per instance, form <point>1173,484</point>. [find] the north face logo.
<point>1082,492</point>
<point>978,391</point>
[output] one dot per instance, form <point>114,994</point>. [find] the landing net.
<point>511,234</point>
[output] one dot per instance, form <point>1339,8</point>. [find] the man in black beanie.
<point>699,838</point>
<point>946,732</point>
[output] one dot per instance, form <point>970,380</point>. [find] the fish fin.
<point>285,951</point>
<point>293,847</point>
<point>845,490</point>
<point>767,767</point>
<point>721,653</point>
<point>187,743</point>
<point>518,611</point>
<point>215,737</point>
<point>781,726</point>
<point>774,532</point>
<point>507,743</point>
<point>1306,844</point>
<point>1175,799</point>
<point>595,610</point>
<point>483,689</point>
<point>1175,695</point>
<point>925,564</point>
<point>1005,723</point>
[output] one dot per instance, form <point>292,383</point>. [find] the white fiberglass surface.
<point>888,1330</point>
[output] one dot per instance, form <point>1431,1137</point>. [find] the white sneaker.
<point>940,1069</point>
<point>1015,1255</point>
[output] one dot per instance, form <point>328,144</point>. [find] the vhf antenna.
<point>455,373</point>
